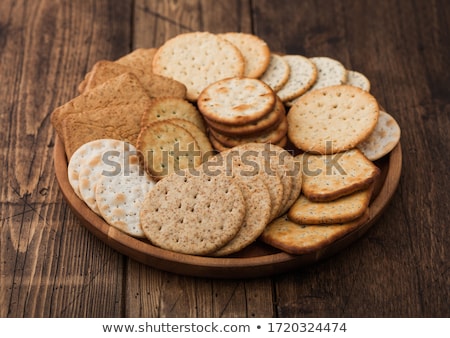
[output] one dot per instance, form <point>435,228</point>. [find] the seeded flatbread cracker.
<point>121,90</point>
<point>119,199</point>
<point>302,76</point>
<point>236,101</point>
<point>332,119</point>
<point>166,148</point>
<point>328,177</point>
<point>277,73</point>
<point>383,139</point>
<point>255,51</point>
<point>193,214</point>
<point>121,122</point>
<point>303,239</point>
<point>257,214</point>
<point>344,209</point>
<point>172,107</point>
<point>358,79</point>
<point>198,59</point>
<point>266,123</point>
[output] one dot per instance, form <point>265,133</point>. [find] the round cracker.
<point>255,51</point>
<point>119,200</point>
<point>193,214</point>
<point>302,76</point>
<point>357,79</point>
<point>236,101</point>
<point>330,72</point>
<point>198,59</point>
<point>277,74</point>
<point>332,119</point>
<point>383,139</point>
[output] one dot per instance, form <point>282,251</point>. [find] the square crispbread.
<point>328,177</point>
<point>265,123</point>
<point>383,139</point>
<point>154,85</point>
<point>303,239</point>
<point>119,199</point>
<point>236,100</point>
<point>193,214</point>
<point>303,75</point>
<point>164,108</point>
<point>357,79</point>
<point>344,209</point>
<point>257,214</point>
<point>166,148</point>
<point>255,51</point>
<point>332,119</point>
<point>121,122</point>
<point>277,73</point>
<point>198,59</point>
<point>121,90</point>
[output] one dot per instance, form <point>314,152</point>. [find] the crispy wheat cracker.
<point>199,136</point>
<point>341,210</point>
<point>357,79</point>
<point>303,239</point>
<point>121,90</point>
<point>255,51</point>
<point>383,139</point>
<point>197,60</point>
<point>173,107</point>
<point>257,214</point>
<point>332,119</point>
<point>166,148</point>
<point>140,58</point>
<point>277,73</point>
<point>236,101</point>
<point>119,199</point>
<point>328,177</point>
<point>121,122</point>
<point>302,76</point>
<point>193,214</point>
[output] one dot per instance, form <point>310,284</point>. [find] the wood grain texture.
<point>50,266</point>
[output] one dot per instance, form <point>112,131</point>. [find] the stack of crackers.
<point>184,145</point>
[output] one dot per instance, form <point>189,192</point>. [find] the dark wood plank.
<point>400,47</point>
<point>50,265</point>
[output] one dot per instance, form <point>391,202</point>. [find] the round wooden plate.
<point>255,261</point>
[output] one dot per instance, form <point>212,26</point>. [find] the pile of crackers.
<point>186,145</point>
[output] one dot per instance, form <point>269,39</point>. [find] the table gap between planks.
<point>53,267</point>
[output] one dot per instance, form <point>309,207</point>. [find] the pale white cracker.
<point>237,100</point>
<point>303,75</point>
<point>358,79</point>
<point>277,74</point>
<point>198,59</point>
<point>330,72</point>
<point>255,51</point>
<point>383,139</point>
<point>119,199</point>
<point>332,119</point>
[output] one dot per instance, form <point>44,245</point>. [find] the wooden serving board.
<point>256,260</point>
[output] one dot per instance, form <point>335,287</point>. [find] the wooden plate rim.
<point>236,267</point>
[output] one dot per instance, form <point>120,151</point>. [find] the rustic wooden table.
<point>53,267</point>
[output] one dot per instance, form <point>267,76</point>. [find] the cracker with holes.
<point>236,101</point>
<point>332,119</point>
<point>255,51</point>
<point>277,73</point>
<point>303,239</point>
<point>358,79</point>
<point>172,107</point>
<point>302,76</point>
<point>119,199</point>
<point>198,59</point>
<point>166,148</point>
<point>383,139</point>
<point>328,177</point>
<point>193,214</point>
<point>344,209</point>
